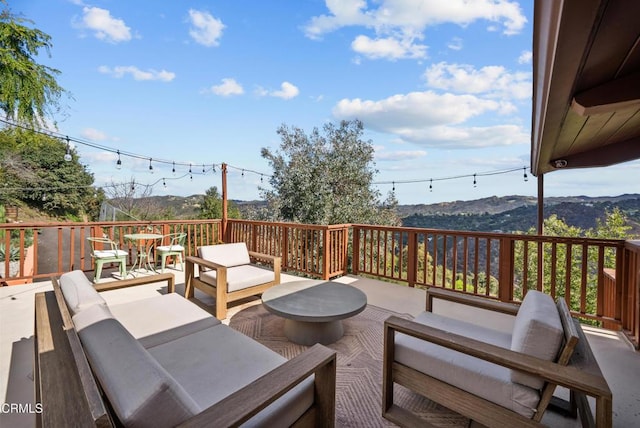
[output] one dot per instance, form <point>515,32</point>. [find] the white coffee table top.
<point>314,301</point>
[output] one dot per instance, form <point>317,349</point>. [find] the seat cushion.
<point>537,331</point>
<point>141,392</point>
<point>162,318</point>
<point>78,291</point>
<point>213,363</point>
<point>240,277</point>
<point>109,254</point>
<point>169,248</point>
<point>226,254</point>
<point>487,380</point>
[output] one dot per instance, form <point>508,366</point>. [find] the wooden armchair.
<point>228,273</point>
<point>448,361</point>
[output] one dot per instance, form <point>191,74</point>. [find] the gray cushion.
<point>537,331</point>
<point>240,277</point>
<point>157,319</point>
<point>487,380</point>
<point>226,254</point>
<point>78,291</point>
<point>213,363</point>
<point>90,316</point>
<point>140,390</point>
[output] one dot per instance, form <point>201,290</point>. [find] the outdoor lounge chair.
<point>494,377</point>
<point>228,273</point>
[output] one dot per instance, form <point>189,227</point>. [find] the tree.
<point>133,201</point>
<point>28,91</point>
<point>212,206</point>
<point>33,171</point>
<point>325,178</point>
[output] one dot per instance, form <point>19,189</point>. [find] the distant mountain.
<point>493,214</point>
<point>519,213</point>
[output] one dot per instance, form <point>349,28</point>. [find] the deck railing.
<point>313,250</point>
<point>499,266</point>
<point>40,250</point>
<point>599,279</point>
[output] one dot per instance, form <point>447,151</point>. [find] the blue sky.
<point>443,89</point>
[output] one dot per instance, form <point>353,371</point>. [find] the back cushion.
<point>537,331</point>
<point>228,255</point>
<point>141,392</point>
<point>78,291</point>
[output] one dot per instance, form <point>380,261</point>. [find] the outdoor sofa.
<point>163,361</point>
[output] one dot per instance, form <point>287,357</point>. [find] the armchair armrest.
<point>193,260</point>
<point>265,257</point>
<point>242,405</point>
<point>567,376</point>
<point>469,300</point>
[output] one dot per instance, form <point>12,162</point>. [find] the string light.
<point>431,184</point>
<point>203,169</point>
<point>150,166</point>
<point>393,189</point>
<point>173,170</point>
<point>243,173</point>
<point>67,155</point>
<point>118,162</point>
<point>189,168</point>
<point>524,169</point>
<point>474,180</point>
<point>213,168</point>
<point>164,183</point>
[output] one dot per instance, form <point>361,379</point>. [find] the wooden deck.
<point>619,363</point>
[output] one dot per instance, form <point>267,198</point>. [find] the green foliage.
<point>34,171</point>
<point>28,90</point>
<point>325,177</point>
<point>211,207</point>
<point>13,253</point>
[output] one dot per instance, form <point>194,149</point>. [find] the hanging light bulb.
<point>173,170</point>
<point>67,155</point>
<point>393,189</point>
<point>118,162</point>
<point>203,169</point>
<point>213,168</point>
<point>474,180</point>
<point>243,173</point>
<point>431,184</point>
<point>150,166</point>
<point>190,169</point>
<point>261,180</point>
<point>526,177</point>
<point>164,183</point>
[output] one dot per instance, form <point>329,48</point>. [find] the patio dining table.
<point>144,245</point>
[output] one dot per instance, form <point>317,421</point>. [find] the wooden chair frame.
<point>220,292</point>
<point>581,376</point>
<point>71,396</point>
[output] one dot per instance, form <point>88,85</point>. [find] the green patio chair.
<point>104,250</point>
<point>175,249</point>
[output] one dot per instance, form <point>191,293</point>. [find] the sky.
<point>443,89</point>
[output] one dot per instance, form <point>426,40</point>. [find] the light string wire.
<point>206,168</point>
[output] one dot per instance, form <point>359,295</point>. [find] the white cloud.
<point>93,134</point>
<point>388,48</point>
<point>431,119</point>
<point>399,155</point>
<point>409,18</point>
<point>206,29</point>
<point>104,26</point>
<point>455,44</point>
<point>227,88</point>
<point>494,81</point>
<point>286,92</point>
<point>525,57</point>
<point>137,74</point>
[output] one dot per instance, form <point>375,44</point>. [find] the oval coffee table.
<point>314,310</point>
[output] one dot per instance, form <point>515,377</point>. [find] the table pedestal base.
<point>310,333</point>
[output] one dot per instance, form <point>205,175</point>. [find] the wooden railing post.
<point>412,254</point>
<point>285,247</point>
<point>355,251</point>
<point>505,270</point>
<point>326,251</point>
